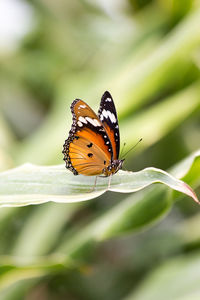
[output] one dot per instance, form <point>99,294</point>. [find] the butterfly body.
<point>113,168</point>
<point>92,147</point>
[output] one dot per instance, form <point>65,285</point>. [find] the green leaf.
<point>50,218</point>
<point>30,184</point>
<point>144,79</point>
<point>135,213</point>
<point>16,268</point>
<point>176,279</point>
<point>189,169</point>
<point>152,118</point>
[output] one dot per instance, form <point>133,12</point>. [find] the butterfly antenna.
<point>132,148</point>
<point>123,149</point>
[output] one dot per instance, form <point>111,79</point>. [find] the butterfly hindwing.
<point>108,116</point>
<point>88,149</point>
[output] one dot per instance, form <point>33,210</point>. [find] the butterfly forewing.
<point>108,116</point>
<point>88,149</point>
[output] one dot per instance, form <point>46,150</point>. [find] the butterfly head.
<point>113,168</point>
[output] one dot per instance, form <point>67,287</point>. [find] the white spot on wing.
<point>79,124</point>
<point>108,114</point>
<point>112,117</point>
<point>83,106</point>
<point>83,120</point>
<point>97,122</point>
<point>105,113</point>
<point>94,122</point>
<point>108,99</point>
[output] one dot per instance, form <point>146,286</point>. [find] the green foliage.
<point>132,215</point>
<point>31,184</point>
<point>139,246</point>
<point>181,274</point>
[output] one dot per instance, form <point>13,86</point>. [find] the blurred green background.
<point>147,54</point>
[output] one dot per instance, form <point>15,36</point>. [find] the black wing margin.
<point>108,116</point>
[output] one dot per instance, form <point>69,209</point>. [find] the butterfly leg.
<point>95,183</point>
<point>109,182</point>
<point>94,186</point>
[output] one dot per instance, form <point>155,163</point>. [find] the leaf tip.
<point>189,191</point>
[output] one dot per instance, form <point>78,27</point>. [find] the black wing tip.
<point>106,95</point>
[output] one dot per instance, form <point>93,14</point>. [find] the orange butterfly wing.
<point>88,149</point>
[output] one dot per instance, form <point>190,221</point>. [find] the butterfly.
<point>93,144</point>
